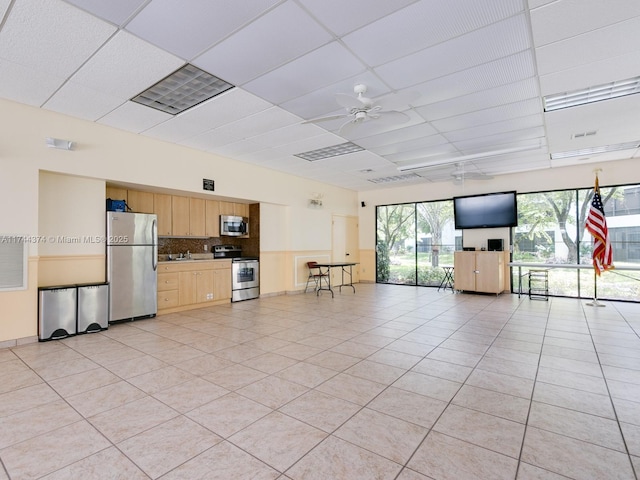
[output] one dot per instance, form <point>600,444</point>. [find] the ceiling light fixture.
<point>595,150</point>
<point>183,89</point>
<point>327,152</point>
<point>59,143</point>
<point>593,94</point>
<point>466,158</point>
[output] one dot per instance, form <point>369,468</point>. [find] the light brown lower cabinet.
<point>188,285</point>
<point>478,271</point>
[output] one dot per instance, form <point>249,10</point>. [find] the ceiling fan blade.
<point>347,101</point>
<point>390,117</point>
<point>396,101</point>
<point>326,119</point>
<point>348,127</point>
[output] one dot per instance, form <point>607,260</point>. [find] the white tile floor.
<point>392,382</point>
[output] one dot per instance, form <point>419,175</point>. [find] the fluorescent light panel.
<point>183,89</point>
<point>595,150</point>
<point>592,94</point>
<point>327,152</point>
<point>466,158</point>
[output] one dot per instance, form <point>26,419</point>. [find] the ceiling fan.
<point>459,175</point>
<point>362,109</point>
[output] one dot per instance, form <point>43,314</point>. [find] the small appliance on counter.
<point>245,272</point>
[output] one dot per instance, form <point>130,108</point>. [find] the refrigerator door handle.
<point>154,250</point>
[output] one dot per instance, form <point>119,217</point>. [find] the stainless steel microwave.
<point>233,226</point>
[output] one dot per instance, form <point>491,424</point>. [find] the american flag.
<point>596,224</point>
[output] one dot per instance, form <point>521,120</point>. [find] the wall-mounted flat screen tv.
<point>486,211</point>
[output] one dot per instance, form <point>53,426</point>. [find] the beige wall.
<point>60,192</point>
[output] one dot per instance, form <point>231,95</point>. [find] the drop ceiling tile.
<point>261,122</point>
<point>247,127</point>
<point>531,121</point>
<point>481,46</point>
<point>436,151</point>
<point>126,66</point>
<point>482,77</point>
<point>306,74</point>
<point>287,134</point>
<point>570,18</point>
<point>51,36</point>
<point>419,145</point>
<point>212,140</point>
<point>353,14</point>
<point>425,24</point>
<point>134,117</point>
<point>597,73</point>
<point>263,156</point>
<point>82,102</point>
<point>4,5</point>
<point>613,120</point>
<point>400,135</point>
<point>114,11</point>
<point>501,95</point>
<point>489,115</point>
<point>277,45</point>
<point>225,108</point>
<point>539,3</point>
<point>352,162</point>
<point>525,137</point>
<point>27,85</point>
<point>614,41</point>
<point>188,32</point>
<point>237,149</point>
<point>312,143</point>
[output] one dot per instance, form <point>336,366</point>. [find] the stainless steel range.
<point>245,272</point>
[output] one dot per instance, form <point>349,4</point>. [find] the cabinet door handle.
<point>476,271</point>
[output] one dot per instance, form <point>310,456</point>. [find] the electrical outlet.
<point>206,248</point>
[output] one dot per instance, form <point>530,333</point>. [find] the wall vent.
<point>13,262</point>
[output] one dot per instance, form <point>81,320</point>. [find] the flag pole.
<point>595,302</point>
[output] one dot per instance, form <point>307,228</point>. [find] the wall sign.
<point>207,184</point>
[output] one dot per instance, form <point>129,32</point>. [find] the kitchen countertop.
<point>195,257</point>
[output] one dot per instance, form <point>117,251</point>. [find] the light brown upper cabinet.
<point>140,202</point>
<point>162,208</point>
<point>117,193</point>
<point>180,216</point>
<point>196,217</point>
<point>212,218</point>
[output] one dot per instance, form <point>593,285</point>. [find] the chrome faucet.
<point>188,255</point>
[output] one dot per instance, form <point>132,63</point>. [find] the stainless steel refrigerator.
<point>132,265</point>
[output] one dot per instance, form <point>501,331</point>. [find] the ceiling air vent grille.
<point>395,178</point>
<point>183,89</point>
<point>327,152</point>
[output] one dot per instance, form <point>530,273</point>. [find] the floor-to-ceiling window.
<point>551,232</point>
<point>415,240</point>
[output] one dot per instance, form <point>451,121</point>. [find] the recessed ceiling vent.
<point>327,152</point>
<point>183,89</point>
<point>395,178</point>
<point>584,134</point>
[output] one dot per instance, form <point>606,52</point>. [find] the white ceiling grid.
<point>479,66</point>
